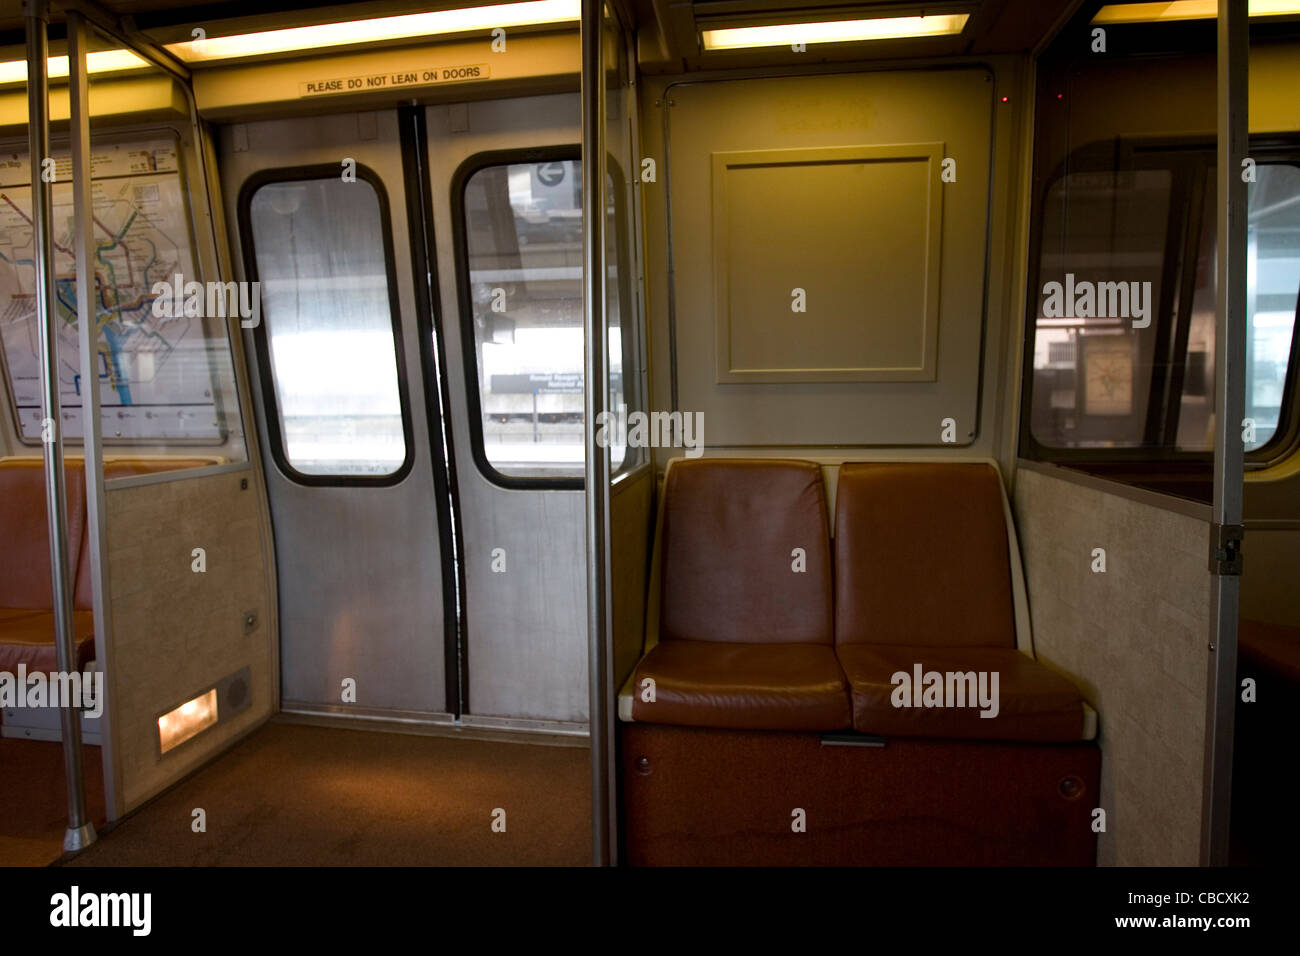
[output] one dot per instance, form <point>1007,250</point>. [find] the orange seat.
<point>26,596</point>
<point>27,637</point>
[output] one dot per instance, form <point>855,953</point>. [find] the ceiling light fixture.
<point>1186,10</point>
<point>101,61</point>
<point>834,31</point>
<point>463,20</point>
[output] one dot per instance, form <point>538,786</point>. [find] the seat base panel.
<point>704,797</point>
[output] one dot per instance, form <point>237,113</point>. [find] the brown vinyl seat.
<point>1032,702</point>
<point>923,579</point>
<point>745,635</point>
<point>26,599</point>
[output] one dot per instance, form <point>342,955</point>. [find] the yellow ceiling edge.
<point>429,72</point>
<point>119,100</point>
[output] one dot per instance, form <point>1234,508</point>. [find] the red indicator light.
<point>1005,98</point>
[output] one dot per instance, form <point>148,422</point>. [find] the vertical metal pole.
<point>88,337</point>
<point>596,396</point>
<point>80,832</point>
<point>1229,379</point>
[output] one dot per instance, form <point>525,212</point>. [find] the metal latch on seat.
<point>1225,548</point>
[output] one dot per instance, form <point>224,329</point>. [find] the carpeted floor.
<point>34,801</point>
<point>314,796</point>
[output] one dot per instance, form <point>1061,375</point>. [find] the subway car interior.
<point>886,455</point>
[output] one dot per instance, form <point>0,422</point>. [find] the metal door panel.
<point>359,567</point>
<point>525,629</point>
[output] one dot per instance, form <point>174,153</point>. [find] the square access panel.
<point>870,295</point>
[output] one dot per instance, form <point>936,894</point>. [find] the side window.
<point>1272,299</point>
<point>330,343</point>
<point>1107,386</point>
<point>522,267</point>
<point>1103,238</point>
<point>1272,294</point>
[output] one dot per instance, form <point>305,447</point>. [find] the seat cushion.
<point>745,553</point>
<point>27,637</point>
<point>1031,703</point>
<point>921,556</point>
<point>25,533</point>
<point>743,686</point>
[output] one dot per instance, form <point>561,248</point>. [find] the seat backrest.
<point>25,535</point>
<point>731,530</point>
<point>921,556</point>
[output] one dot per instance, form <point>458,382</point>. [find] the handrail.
<point>595,398</point>
<point>80,832</point>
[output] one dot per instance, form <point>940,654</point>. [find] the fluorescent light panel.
<point>101,61</point>
<point>1187,10</point>
<point>187,721</point>
<point>529,13</point>
<point>834,31</point>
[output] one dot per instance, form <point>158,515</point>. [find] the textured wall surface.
<point>177,632</point>
<point>1135,639</point>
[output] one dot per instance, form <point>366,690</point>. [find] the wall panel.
<point>764,374</point>
<point>177,632</point>
<point>1134,639</point>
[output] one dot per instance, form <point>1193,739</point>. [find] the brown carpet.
<point>314,796</point>
<point>34,799</point>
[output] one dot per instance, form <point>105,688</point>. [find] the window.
<point>1272,290</point>
<point>522,297</point>
<point>1092,370</point>
<point>1126,372</point>
<point>329,344</point>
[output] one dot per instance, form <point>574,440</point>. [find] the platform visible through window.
<point>1272,291</point>
<point>320,250</point>
<point>523,240</point>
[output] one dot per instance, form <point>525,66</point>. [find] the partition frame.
<point>84,16</point>
<point>604,779</point>
<point>1229,449</point>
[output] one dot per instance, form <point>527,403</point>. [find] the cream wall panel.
<point>871,298</point>
<point>1135,641</point>
<point>851,111</point>
<point>177,632</point>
